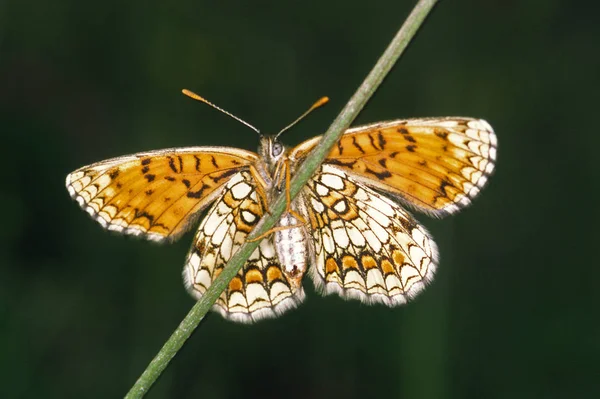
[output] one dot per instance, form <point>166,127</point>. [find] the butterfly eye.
<point>277,149</point>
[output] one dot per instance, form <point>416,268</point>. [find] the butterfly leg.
<point>260,188</point>
<point>288,199</point>
<point>288,207</point>
<point>273,230</point>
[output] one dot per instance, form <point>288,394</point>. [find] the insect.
<point>348,228</point>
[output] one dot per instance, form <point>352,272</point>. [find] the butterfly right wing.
<point>260,289</point>
<point>157,194</point>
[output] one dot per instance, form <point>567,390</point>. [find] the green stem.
<point>304,172</point>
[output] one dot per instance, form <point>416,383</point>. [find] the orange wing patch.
<point>155,194</point>
<point>436,165</point>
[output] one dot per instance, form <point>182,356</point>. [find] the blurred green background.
<point>513,311</point>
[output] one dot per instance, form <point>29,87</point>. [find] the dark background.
<point>513,310</point>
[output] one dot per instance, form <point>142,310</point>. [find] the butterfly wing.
<point>365,245</point>
<point>156,194</point>
<point>260,289</point>
<point>436,165</point>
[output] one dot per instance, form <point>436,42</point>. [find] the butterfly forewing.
<point>155,194</point>
<point>436,165</point>
<point>260,289</point>
<point>366,246</point>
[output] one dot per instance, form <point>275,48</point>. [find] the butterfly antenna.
<point>195,96</point>
<point>320,102</point>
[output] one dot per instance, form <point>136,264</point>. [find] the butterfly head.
<point>271,151</point>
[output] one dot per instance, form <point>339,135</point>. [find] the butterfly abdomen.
<point>290,245</point>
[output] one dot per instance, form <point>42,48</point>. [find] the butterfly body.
<point>346,229</point>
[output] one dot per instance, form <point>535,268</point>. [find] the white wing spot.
<point>195,261</point>
<point>317,206</point>
<point>340,206</point>
<point>219,235</point>
<point>226,247</point>
<point>321,190</point>
<point>332,181</point>
<point>341,237</point>
<point>380,232</point>
<point>248,217</point>
<point>267,249</point>
<point>358,240</point>
<point>240,191</point>
<point>328,243</point>
<point>372,239</point>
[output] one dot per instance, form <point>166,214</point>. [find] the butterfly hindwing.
<point>260,289</point>
<point>366,246</point>
<point>155,194</point>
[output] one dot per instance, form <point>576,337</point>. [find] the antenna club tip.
<point>193,95</point>
<point>323,100</point>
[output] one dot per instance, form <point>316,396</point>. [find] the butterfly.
<point>348,229</point>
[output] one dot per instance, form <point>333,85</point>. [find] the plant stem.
<point>304,172</point>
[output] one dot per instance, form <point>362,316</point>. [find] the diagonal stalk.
<point>304,172</point>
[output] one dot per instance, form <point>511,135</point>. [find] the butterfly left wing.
<point>436,165</point>
<point>365,245</point>
<point>261,289</point>
<point>157,194</point>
